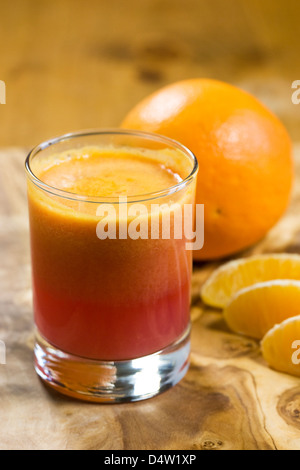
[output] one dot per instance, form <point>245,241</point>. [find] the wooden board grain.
<point>229,398</point>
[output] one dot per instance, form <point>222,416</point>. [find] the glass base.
<point>112,381</point>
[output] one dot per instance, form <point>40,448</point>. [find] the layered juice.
<point>115,298</point>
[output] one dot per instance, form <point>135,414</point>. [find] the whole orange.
<point>244,154</point>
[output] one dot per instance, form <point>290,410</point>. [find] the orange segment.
<point>281,346</point>
<point>256,309</point>
<point>238,274</point>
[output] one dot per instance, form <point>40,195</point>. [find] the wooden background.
<point>73,64</point>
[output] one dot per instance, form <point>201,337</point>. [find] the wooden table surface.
<point>70,65</point>
<point>229,398</point>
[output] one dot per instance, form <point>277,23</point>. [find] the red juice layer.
<point>106,330</point>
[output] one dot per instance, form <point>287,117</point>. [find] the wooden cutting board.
<point>229,399</point>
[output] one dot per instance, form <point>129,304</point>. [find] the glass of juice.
<point>111,262</point>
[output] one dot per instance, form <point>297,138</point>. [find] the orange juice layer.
<point>109,175</point>
<point>106,299</point>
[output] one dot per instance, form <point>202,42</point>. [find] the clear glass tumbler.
<point>111,275</point>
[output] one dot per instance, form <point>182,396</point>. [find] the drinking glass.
<point>111,310</point>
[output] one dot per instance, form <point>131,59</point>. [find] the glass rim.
<point>111,199</point>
